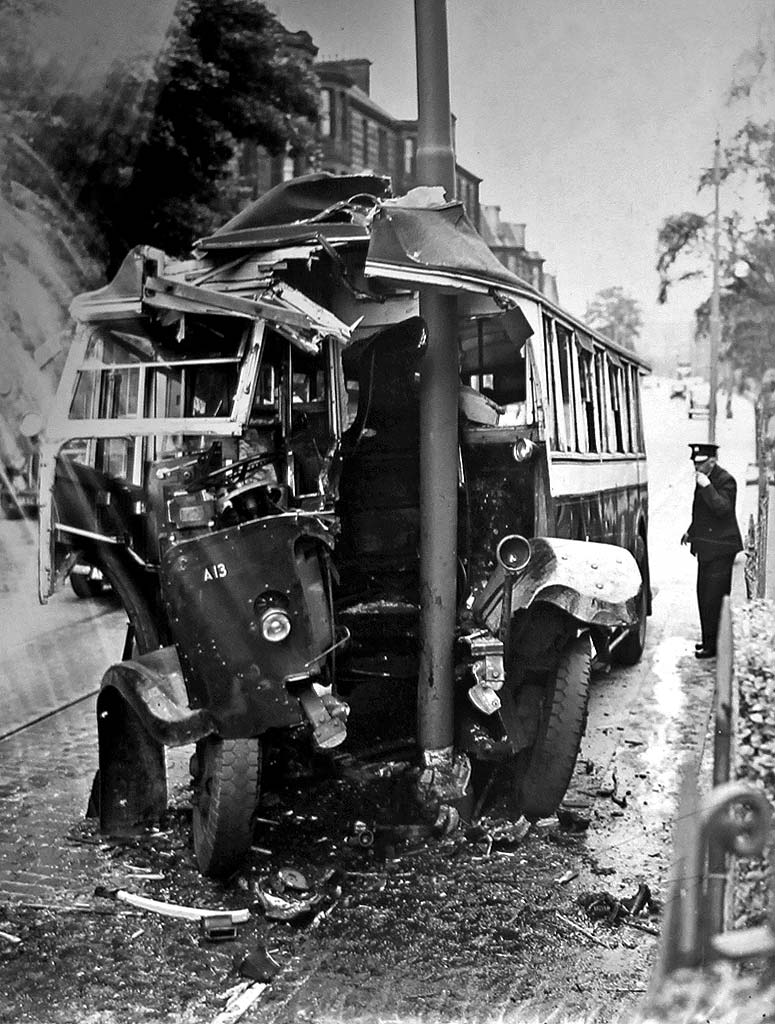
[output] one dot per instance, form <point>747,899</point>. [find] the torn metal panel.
<point>284,234</point>
<point>435,246</point>
<point>280,305</point>
<point>117,300</point>
<point>306,197</point>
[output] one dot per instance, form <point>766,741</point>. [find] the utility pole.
<point>715,314</point>
<point>438,412</point>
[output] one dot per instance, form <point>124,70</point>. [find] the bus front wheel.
<point>226,777</point>
<point>546,768</point>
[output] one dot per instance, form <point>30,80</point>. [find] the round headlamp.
<point>513,552</point>
<point>275,625</point>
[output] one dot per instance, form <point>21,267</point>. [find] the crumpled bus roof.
<point>415,241</point>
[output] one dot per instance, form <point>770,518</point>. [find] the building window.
<point>326,127</point>
<point>382,149</point>
<point>409,156</point>
<point>365,150</point>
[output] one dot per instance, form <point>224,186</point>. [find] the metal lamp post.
<point>438,409</point>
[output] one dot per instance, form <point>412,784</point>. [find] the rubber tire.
<point>630,650</point>
<point>83,587</point>
<point>225,796</point>
<point>552,758</point>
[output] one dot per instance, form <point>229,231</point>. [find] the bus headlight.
<point>275,625</point>
<point>523,449</point>
<point>513,553</point>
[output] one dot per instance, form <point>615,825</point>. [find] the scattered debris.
<point>277,908</point>
<point>169,909</point>
<point>581,930</point>
<point>240,1000</point>
<point>361,835</point>
<point>573,819</point>
<point>569,875</point>
<point>290,878</point>
<point>218,928</point>
<point>610,788</point>
<point>598,869</point>
<point>13,939</point>
<point>603,906</point>
<point>259,966</point>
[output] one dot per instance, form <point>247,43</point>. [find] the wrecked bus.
<point>235,448</point>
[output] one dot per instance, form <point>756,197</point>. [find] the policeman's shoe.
<point>704,652</point>
<point>699,647</point>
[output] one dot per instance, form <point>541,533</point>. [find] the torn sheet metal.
<point>304,198</point>
<point>435,246</point>
<point>284,307</point>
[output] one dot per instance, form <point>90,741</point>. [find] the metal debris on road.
<point>13,939</point>
<point>568,876</point>
<point>603,906</point>
<point>259,965</point>
<point>182,913</point>
<point>277,908</point>
<point>218,928</point>
<point>290,878</point>
<point>240,1000</point>
<point>573,819</point>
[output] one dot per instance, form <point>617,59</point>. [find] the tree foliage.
<point>150,156</point>
<point>746,239</point>
<point>617,315</point>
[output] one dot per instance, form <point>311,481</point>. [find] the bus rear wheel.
<point>547,767</point>
<point>226,776</point>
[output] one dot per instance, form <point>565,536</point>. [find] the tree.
<point>617,315</point>
<point>747,239</point>
<point>150,156</point>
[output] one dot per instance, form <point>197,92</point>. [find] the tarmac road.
<point>646,723</point>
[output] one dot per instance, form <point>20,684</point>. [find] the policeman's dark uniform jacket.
<point>715,539</point>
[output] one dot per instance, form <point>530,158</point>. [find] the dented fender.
<point>142,707</point>
<point>152,686</point>
<point>597,584</point>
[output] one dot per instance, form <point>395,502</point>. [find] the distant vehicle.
<point>678,389</point>
<point>699,402</point>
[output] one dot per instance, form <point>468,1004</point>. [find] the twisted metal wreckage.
<point>235,448</point>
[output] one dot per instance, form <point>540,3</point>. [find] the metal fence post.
<point>722,764</point>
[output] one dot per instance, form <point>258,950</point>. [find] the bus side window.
<point>567,386</point>
<point>493,363</point>
<point>615,371</point>
<point>635,412</point>
<point>588,400</point>
<point>604,399</point>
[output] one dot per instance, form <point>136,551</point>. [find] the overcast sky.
<point>589,120</point>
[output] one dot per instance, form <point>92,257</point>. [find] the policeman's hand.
<point>701,479</point>
<point>685,538</point>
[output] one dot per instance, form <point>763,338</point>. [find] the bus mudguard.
<point>142,707</point>
<point>596,584</point>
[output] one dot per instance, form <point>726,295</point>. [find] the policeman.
<point>715,539</point>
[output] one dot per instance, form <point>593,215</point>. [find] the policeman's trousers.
<point>714,580</point>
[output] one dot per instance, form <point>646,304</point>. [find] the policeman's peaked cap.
<point>703,451</point>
